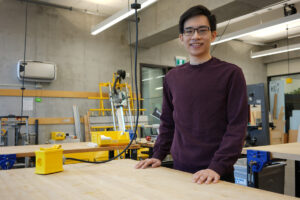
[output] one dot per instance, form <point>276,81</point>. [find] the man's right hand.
<point>154,162</point>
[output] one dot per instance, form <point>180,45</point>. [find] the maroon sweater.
<point>204,116</point>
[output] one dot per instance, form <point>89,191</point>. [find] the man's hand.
<point>206,176</point>
<point>154,162</point>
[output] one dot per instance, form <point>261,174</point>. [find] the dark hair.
<point>195,11</point>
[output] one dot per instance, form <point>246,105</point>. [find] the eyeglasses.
<point>201,30</point>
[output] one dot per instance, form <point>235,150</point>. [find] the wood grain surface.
<point>289,151</point>
<point>48,93</point>
<point>144,143</point>
<point>28,150</point>
<point>118,180</point>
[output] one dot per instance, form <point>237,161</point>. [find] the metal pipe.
<point>112,107</point>
<point>48,4</point>
<point>43,3</point>
<point>129,108</point>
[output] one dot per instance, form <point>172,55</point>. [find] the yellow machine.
<point>49,160</point>
<point>141,155</point>
<point>58,135</point>
<point>3,132</point>
<point>110,138</point>
<point>121,105</point>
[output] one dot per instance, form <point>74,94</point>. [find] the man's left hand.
<point>206,176</point>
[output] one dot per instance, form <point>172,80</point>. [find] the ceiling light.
<point>256,29</point>
<point>159,88</point>
<point>269,52</point>
<point>119,16</point>
<point>147,79</point>
<point>161,76</point>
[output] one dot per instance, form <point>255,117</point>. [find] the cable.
<point>24,59</point>
<point>288,52</point>
<point>130,50</point>
<point>220,37</point>
<point>135,6</point>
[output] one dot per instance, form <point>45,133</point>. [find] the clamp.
<point>7,161</point>
<point>256,160</point>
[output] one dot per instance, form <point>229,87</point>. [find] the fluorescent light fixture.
<point>119,16</point>
<point>269,52</point>
<point>256,29</point>
<point>161,76</point>
<point>147,79</point>
<point>159,88</point>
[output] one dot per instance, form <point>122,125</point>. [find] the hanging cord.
<point>130,51</point>
<point>212,51</point>
<point>135,6</point>
<point>288,52</point>
<point>24,60</point>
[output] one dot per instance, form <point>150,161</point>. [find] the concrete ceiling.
<point>99,7</point>
<point>248,13</point>
<point>233,10</point>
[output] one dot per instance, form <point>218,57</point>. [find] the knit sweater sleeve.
<point>237,115</point>
<point>166,130</point>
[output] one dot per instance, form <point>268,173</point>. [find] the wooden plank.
<point>51,120</point>
<point>276,137</point>
<point>54,120</point>
<point>118,180</point>
<point>86,128</point>
<point>144,143</point>
<point>290,151</point>
<point>28,150</point>
<point>48,93</point>
<point>293,135</point>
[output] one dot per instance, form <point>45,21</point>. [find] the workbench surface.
<point>290,151</point>
<point>28,150</point>
<point>144,143</point>
<point>119,180</point>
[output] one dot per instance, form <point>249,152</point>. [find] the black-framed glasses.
<point>201,30</point>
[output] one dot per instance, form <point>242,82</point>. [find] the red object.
<point>148,138</point>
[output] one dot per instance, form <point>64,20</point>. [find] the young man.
<point>204,111</point>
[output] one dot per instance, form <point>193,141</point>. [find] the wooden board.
<point>118,180</point>
<point>48,93</point>
<point>289,151</point>
<point>51,120</point>
<point>24,151</point>
<point>144,143</point>
<point>293,135</point>
<point>86,128</point>
<point>276,137</point>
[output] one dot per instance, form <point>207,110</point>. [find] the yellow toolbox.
<point>58,135</point>
<point>110,138</point>
<point>49,160</point>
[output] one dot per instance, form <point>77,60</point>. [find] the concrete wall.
<point>239,53</point>
<point>281,67</point>
<point>63,37</point>
<point>235,52</point>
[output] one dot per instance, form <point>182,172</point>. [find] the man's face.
<point>197,43</point>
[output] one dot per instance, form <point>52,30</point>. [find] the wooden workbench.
<point>119,180</point>
<point>28,150</point>
<point>144,143</point>
<point>290,151</point>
